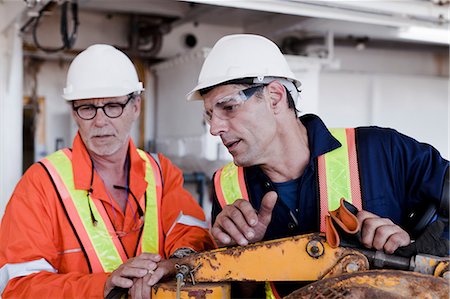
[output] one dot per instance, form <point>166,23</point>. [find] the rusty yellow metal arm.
<point>299,258</point>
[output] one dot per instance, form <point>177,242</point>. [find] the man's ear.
<point>137,105</point>
<point>74,116</point>
<point>277,94</point>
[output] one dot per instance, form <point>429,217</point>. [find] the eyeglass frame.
<point>122,106</point>
<point>246,94</point>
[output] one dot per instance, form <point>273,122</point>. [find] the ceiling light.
<point>425,34</point>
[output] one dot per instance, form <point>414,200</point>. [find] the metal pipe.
<point>373,12</point>
<point>381,260</point>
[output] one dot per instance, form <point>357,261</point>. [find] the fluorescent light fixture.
<point>425,34</point>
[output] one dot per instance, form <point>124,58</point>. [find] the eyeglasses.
<point>112,110</point>
<point>228,106</point>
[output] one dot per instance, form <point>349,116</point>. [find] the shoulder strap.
<point>152,238</point>
<point>338,174</point>
<point>229,184</point>
<point>104,251</point>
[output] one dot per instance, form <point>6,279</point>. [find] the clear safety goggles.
<point>228,106</point>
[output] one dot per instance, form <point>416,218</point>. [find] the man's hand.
<point>240,223</point>
<point>431,241</point>
<point>381,233</point>
<point>137,267</point>
<point>141,288</point>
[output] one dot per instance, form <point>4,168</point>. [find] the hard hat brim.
<point>98,93</point>
<point>194,94</point>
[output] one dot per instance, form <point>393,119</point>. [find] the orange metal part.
<point>299,258</point>
<point>168,290</point>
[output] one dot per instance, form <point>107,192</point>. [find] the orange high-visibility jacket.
<point>40,255</point>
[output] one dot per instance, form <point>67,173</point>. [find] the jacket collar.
<point>320,139</point>
<point>83,170</point>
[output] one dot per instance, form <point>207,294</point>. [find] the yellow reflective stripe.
<point>269,292</point>
<point>150,240</point>
<point>338,171</point>
<point>229,182</point>
<point>99,235</point>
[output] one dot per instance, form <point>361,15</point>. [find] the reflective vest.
<point>338,178</point>
<point>98,239</point>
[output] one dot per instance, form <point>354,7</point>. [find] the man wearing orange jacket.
<point>102,214</point>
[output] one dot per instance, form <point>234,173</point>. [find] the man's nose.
<point>100,117</point>
<point>217,125</point>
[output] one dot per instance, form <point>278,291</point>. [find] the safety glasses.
<point>228,106</point>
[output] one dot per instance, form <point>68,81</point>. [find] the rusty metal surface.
<point>442,270</point>
<point>348,264</point>
<point>168,290</point>
<point>299,258</point>
<point>376,284</point>
<point>429,264</point>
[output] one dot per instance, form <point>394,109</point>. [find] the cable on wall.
<point>68,40</point>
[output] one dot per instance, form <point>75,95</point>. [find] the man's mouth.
<point>232,145</point>
<point>103,136</point>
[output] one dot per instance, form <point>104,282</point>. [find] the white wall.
<point>414,105</point>
<point>11,103</point>
<point>393,89</point>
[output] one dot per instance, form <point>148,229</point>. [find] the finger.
<point>239,220</point>
<point>148,265</point>
<point>122,282</point>
<point>369,227</point>
<point>145,288</point>
<point>138,267</point>
<point>397,240</point>
<point>382,234</point>
<point>267,204</point>
<point>247,211</point>
<point>149,256</point>
<point>133,272</point>
<point>221,237</point>
<point>363,215</point>
<point>230,228</point>
<point>156,276</point>
<point>135,290</point>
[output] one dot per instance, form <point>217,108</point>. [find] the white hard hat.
<point>101,71</point>
<point>245,56</point>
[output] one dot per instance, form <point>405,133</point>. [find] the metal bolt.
<point>314,248</point>
<point>352,267</point>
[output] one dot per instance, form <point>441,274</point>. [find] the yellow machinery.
<point>338,271</point>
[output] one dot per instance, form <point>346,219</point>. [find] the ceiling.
<point>278,18</point>
<point>303,21</point>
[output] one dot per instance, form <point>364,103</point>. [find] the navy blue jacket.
<point>397,174</point>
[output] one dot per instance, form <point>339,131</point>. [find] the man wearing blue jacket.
<point>288,171</point>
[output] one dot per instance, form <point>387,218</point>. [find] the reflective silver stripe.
<point>10,271</point>
<point>155,156</point>
<point>188,220</point>
<point>70,251</point>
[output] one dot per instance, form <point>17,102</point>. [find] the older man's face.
<point>102,134</point>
